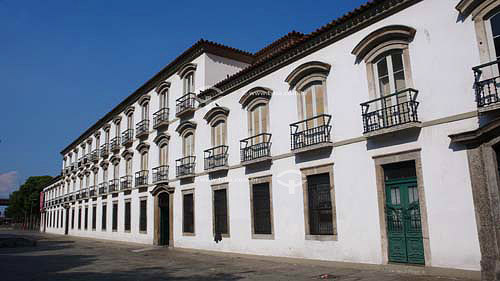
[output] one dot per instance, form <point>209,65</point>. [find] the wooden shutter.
<point>261,208</point>
<point>188,212</point>
<point>220,211</point>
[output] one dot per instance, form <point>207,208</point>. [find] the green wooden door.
<point>404,227</point>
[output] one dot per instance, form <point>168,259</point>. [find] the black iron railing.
<point>142,128</point>
<point>391,110</point>
<point>104,151</point>
<point>84,193</point>
<point>185,103</point>
<point>80,164</point>
<point>126,182</point>
<point>127,136</point>
<point>487,87</point>
<point>103,188</point>
<point>78,196</point>
<point>216,157</point>
<point>160,117</point>
<point>312,131</point>
<point>94,155</point>
<point>141,178</point>
<point>114,144</point>
<point>85,159</point>
<point>73,167</point>
<point>92,192</point>
<point>160,173</point>
<point>185,166</point>
<point>114,185</point>
<point>255,147</point>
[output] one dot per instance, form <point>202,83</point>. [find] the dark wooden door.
<point>404,227</point>
<point>164,206</point>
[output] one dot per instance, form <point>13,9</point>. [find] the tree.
<point>26,201</point>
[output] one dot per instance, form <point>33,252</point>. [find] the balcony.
<point>84,193</point>
<point>160,174</point>
<point>185,167</point>
<point>486,84</point>
<point>86,160</point>
<point>103,188</point>
<point>78,196</point>
<point>126,182</point>
<point>114,145</point>
<point>255,149</point>
<point>141,178</point>
<point>127,137</point>
<point>160,118</point>
<point>92,191</point>
<point>185,104</point>
<point>80,164</point>
<point>390,113</point>
<point>312,133</point>
<point>216,158</point>
<point>94,156</point>
<point>114,185</point>
<point>142,129</point>
<point>104,152</point>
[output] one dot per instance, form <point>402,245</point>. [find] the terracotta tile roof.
<point>282,43</point>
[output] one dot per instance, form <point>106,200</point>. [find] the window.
<point>94,216</point>
<point>188,213</point>
<point>258,119</point>
<point>493,28</point>
<point>62,219</point>
<point>105,174</point>
<point>261,207</point>
<point>144,161</point>
<point>116,171</point>
<point>86,217</point>
<point>106,138</point>
<point>163,154</point>
<point>319,205</point>
<point>188,83</point>
<point>145,111</point>
<point>188,144</point>
<point>130,121</point>
<point>143,213</point>
<point>72,218</point>
<point>57,218</point>
<point>313,98</point>
<point>128,167</point>
<point>163,99</point>
<point>219,133</point>
<point>95,179</point>
<point>220,212</point>
<point>104,217</point>
<point>390,74</point>
<point>117,129</point>
<point>127,216</point>
<point>115,217</point>
<point>80,218</point>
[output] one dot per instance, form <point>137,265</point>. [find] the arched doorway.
<point>164,219</point>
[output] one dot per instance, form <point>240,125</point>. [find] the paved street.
<point>69,258</point>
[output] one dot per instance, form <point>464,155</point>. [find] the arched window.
<point>144,161</point>
<point>256,102</point>
<point>219,133</point>
<point>188,144</point>
<point>188,83</point>
<point>145,111</point>
<point>130,120</point>
<point>163,154</point>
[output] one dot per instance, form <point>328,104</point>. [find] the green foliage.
<point>27,198</point>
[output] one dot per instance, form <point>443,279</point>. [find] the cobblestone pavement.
<point>70,258</point>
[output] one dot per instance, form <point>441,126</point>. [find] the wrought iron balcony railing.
<point>185,103</point>
<point>216,157</point>
<point>389,111</point>
<point>160,118</point>
<point>142,128</point>
<point>114,185</point>
<point>185,166</point>
<point>80,164</point>
<point>256,147</point>
<point>160,174</point>
<point>94,155</point>
<point>84,193</point>
<point>127,136</point>
<point>114,144</point>
<point>104,151</point>
<point>487,83</point>
<point>312,131</point>
<point>78,196</point>
<point>141,178</point>
<point>103,188</point>
<point>126,182</point>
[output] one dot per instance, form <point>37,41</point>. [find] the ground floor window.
<point>103,217</point>
<point>188,213</point>
<point>86,217</point>
<point>62,218</point>
<point>143,213</point>
<point>320,205</point>
<point>220,212</point>
<point>127,216</point>
<point>80,218</point>
<point>261,208</point>
<point>115,217</point>
<point>72,218</point>
<point>94,217</point>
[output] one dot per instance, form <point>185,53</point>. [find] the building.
<point>370,140</point>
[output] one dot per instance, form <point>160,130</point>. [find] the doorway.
<point>66,224</point>
<point>164,221</point>
<point>402,208</point>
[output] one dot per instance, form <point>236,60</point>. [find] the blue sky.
<point>64,64</point>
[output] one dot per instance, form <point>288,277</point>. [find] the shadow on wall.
<point>410,135</point>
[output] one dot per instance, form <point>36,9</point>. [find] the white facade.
<point>441,54</point>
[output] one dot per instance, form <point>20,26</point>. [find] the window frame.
<point>256,181</point>
<point>185,193</point>
<point>217,187</point>
<point>127,216</point>
<point>143,215</point>
<point>104,216</point>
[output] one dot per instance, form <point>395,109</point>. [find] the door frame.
<point>380,160</point>
<point>157,230</point>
